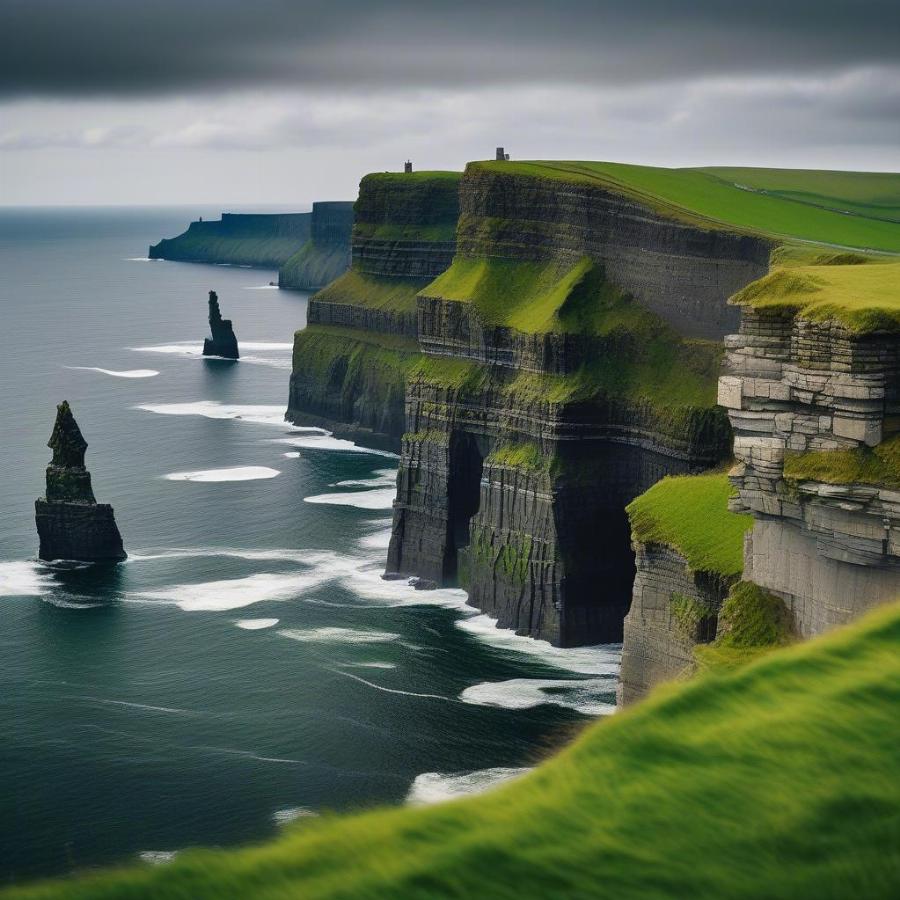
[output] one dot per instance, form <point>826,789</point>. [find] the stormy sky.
<point>236,102</point>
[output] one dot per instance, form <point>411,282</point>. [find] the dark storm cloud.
<point>91,47</point>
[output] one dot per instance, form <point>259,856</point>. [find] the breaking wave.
<point>584,696</point>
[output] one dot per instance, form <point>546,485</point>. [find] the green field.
<point>689,513</point>
<point>843,209</point>
<point>777,781</point>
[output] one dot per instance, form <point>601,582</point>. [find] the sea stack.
<point>71,524</point>
<point>223,341</point>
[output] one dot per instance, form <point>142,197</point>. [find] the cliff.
<point>70,522</point>
<point>812,391</point>
<point>352,359</point>
<point>266,241</point>
<point>812,388</point>
<point>777,780</point>
<point>541,395</point>
<point>326,255</point>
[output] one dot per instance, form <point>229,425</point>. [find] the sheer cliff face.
<point>523,439</point>
<point>326,255</point>
<point>683,273</point>
<point>829,548</point>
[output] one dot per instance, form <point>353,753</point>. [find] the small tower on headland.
<point>501,154</point>
<point>407,167</point>
<point>223,341</point>
<point>71,524</point>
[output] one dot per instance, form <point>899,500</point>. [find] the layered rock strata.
<point>238,239</point>
<point>326,255</point>
<point>523,443</point>
<point>682,272</point>
<point>70,522</point>
<point>223,341</point>
<point>794,387</point>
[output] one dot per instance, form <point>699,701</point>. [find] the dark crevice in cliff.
<point>466,466</point>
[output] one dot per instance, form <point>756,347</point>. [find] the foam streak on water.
<point>124,373</point>
<point>237,473</point>
<point>435,787</point>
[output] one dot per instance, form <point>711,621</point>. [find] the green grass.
<point>876,465</point>
<point>689,513</point>
<point>778,780</point>
<point>865,298</point>
<point>525,456</point>
<point>845,209</point>
<point>373,291</point>
<point>752,617</point>
<point>319,349</point>
<point>538,297</point>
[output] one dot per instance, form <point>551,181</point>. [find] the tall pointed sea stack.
<point>223,341</point>
<point>71,524</point>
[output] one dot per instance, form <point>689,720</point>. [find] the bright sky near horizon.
<point>279,102</point>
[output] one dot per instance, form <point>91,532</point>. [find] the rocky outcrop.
<point>326,255</point>
<point>70,522</point>
<point>223,341</point>
<point>828,546</point>
<point>237,239</point>
<point>673,609</point>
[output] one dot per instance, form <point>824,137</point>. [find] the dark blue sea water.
<point>246,665</point>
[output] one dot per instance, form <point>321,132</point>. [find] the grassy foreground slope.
<point>846,209</point>
<point>778,780</point>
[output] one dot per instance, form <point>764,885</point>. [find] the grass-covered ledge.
<point>689,514</point>
<point>878,465</point>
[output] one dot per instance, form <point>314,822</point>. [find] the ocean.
<point>247,666</point>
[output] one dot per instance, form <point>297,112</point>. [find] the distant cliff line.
<point>309,249</point>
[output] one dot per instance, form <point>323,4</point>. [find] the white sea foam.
<point>23,579</point>
<point>377,540</point>
<point>584,695</point>
<point>598,660</point>
<point>142,706</point>
<point>235,593</point>
<point>258,414</point>
<point>261,287</point>
<point>338,635</point>
<point>157,857</point>
<point>194,350</point>
<point>380,498</point>
<point>141,259</point>
<point>291,813</point>
<point>62,603</point>
<point>255,624</point>
<point>317,439</point>
<point>126,373</point>
<point>435,787</point>
<point>294,454</point>
<point>237,473</point>
<point>382,478</point>
<point>369,665</point>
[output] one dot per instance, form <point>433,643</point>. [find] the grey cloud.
<point>122,47</point>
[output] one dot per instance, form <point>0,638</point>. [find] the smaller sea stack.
<point>223,341</point>
<point>71,524</point>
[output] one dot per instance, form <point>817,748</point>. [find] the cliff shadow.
<point>464,498</point>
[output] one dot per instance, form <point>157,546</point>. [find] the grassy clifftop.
<point>690,514</point>
<point>419,206</point>
<point>777,780</point>
<point>848,209</point>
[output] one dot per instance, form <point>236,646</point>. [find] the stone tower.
<point>70,522</point>
<point>407,167</point>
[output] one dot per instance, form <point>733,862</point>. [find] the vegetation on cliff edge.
<point>864,465</point>
<point>689,513</point>
<point>777,780</point>
<point>373,291</point>
<point>847,209</point>
<point>864,298</point>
